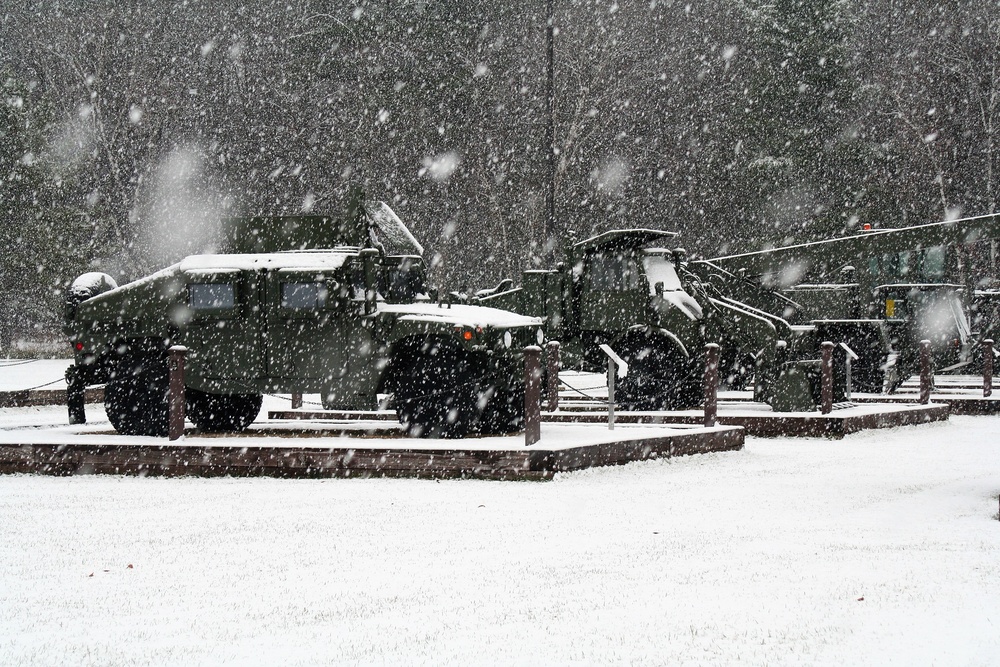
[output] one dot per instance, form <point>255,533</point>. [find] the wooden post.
<point>711,384</point>
<point>76,402</point>
<point>175,394</point>
<point>826,379</point>
<point>553,365</point>
<point>926,372</point>
<point>987,368</point>
<point>296,400</point>
<point>532,395</point>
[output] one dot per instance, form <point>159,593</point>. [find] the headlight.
<point>508,340</point>
<point>540,336</point>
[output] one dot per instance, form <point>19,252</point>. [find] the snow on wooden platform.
<point>757,418</point>
<point>346,449</point>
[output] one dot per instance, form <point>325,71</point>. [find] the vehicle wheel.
<point>222,412</point>
<point>503,411</point>
<point>135,397</point>
<point>737,374</point>
<point>660,377</point>
<point>437,394</point>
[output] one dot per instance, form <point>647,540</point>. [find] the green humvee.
<point>309,304</point>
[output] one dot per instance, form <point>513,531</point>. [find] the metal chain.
<point>10,362</point>
<point>41,386</point>
<point>580,391</point>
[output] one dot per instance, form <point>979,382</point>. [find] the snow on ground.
<point>882,548</point>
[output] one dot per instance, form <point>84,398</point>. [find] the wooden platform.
<point>755,418</point>
<point>31,397</point>
<point>311,451</point>
<point>771,425</point>
<point>958,403</point>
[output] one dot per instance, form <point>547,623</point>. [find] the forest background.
<point>129,129</point>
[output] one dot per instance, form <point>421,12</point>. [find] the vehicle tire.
<point>437,393</point>
<point>660,377</point>
<point>737,374</point>
<point>135,397</point>
<point>215,413</point>
<point>503,411</point>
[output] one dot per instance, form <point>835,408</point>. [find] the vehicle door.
<point>304,332</point>
<point>615,294</point>
<point>220,330</point>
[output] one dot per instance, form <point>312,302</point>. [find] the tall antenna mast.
<point>550,195</point>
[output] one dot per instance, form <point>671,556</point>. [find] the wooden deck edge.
<point>833,426</point>
<point>515,463</point>
<point>26,398</point>
<point>618,453</point>
<point>960,405</point>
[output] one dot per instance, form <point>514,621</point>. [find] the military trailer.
<point>657,311</point>
<point>311,304</point>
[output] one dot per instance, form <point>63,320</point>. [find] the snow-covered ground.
<point>882,548</point>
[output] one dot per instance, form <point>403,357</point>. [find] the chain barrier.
<point>582,392</point>
<point>10,363</point>
<point>41,386</point>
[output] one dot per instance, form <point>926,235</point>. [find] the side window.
<point>402,283</point>
<point>934,263</point>
<point>211,296</point>
<point>614,273</point>
<point>303,296</point>
<point>904,263</point>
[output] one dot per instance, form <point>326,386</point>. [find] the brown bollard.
<point>296,400</point>
<point>553,365</point>
<point>175,394</point>
<point>926,372</point>
<point>532,395</point>
<point>711,384</point>
<point>76,400</point>
<point>826,379</point>
<point>987,368</point>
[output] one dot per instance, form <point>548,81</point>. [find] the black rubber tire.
<point>737,374</point>
<point>135,398</point>
<point>660,377</point>
<point>437,394</point>
<point>503,412</point>
<point>216,413</point>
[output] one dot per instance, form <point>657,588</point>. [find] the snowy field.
<point>882,548</point>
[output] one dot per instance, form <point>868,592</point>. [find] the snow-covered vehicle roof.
<point>459,315</point>
<point>307,260</point>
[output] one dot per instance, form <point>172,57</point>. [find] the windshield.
<point>660,269</point>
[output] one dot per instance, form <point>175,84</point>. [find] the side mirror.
<point>659,288</point>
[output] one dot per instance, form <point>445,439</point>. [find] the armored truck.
<point>311,304</point>
<point>657,311</point>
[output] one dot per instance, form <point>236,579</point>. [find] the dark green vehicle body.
<point>300,304</point>
<point>935,282</point>
<point>658,311</point>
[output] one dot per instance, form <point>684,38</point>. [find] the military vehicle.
<point>933,282</point>
<point>311,304</point>
<point>657,311</point>
<point>878,292</point>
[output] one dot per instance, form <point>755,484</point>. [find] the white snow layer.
<point>459,314</point>
<point>882,548</point>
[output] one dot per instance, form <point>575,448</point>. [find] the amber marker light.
<point>466,335</point>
